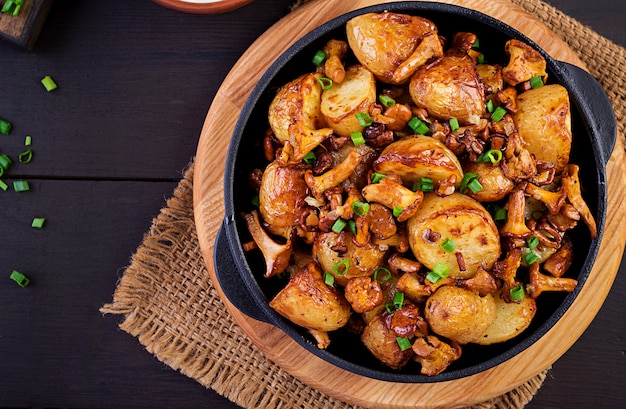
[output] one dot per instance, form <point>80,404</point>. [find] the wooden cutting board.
<point>24,28</point>
<point>209,212</point>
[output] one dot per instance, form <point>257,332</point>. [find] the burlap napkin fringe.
<point>168,302</point>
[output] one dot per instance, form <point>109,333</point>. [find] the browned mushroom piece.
<point>276,255</point>
<point>398,264</point>
<point>518,164</point>
<point>515,225</point>
<point>558,263</point>
<point>378,223</point>
<point>482,282</point>
<point>399,241</point>
<point>506,269</point>
<point>395,118</point>
<point>332,178</point>
<point>435,355</point>
<point>552,200</point>
<point>394,196</point>
<point>524,63</point>
<point>363,294</point>
<point>571,183</point>
<point>413,288</point>
<point>566,219</point>
<point>336,51</point>
<point>540,283</point>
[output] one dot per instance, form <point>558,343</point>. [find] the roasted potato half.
<point>495,184</point>
<point>459,314</point>
<point>393,45</point>
<point>464,221</point>
<point>511,319</point>
<point>381,342</point>
<point>341,102</point>
<point>543,120</point>
<point>413,158</point>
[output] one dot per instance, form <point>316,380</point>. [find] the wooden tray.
<point>209,212</point>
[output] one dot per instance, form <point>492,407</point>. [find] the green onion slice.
<point>480,59</point>
<point>490,106</point>
<point>398,300</point>
<point>389,307</point>
<point>454,124</point>
<point>255,201</point>
<point>5,126</point>
<point>517,293</point>
<point>21,186</point>
<point>25,157</point>
<point>418,126</point>
<point>475,186</point>
<point>352,226</point>
<point>326,83</point>
<point>377,177</point>
<point>339,225</point>
<point>403,343</point>
<point>536,82</point>
<point>309,157</point>
<point>49,83</point>
<point>424,184</point>
<point>468,178</point>
<point>532,242</point>
<point>500,214</point>
<point>19,278</point>
<point>329,279</point>
<point>476,43</point>
<point>493,155</point>
<point>498,114</point>
<point>386,100</point>
<point>439,271</point>
<point>3,185</point>
<point>38,222</point>
<point>363,118</point>
<point>28,140</point>
<point>397,211</point>
<point>342,267</point>
<point>531,257</point>
<point>360,208</point>
<point>448,245</point>
<point>357,138</point>
<point>383,270</point>
<point>5,161</point>
<point>319,58</point>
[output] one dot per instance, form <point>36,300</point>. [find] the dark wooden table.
<point>135,82</point>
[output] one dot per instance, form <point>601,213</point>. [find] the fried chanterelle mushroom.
<point>414,198</point>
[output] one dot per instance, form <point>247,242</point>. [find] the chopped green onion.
<point>5,126</point>
<point>21,186</point>
<point>49,83</point>
<point>337,268</point>
<point>25,157</point>
<point>319,57</point>
<point>389,307</point>
<point>448,245</point>
<point>309,157</point>
<point>329,279</point>
<point>398,300</point>
<point>424,184</point>
<point>360,208</point>
<point>498,114</point>
<point>386,277</point>
<point>500,214</point>
<point>1,171</point>
<point>490,106</point>
<point>476,43</point>
<point>387,101</point>
<point>3,185</point>
<point>255,201</point>
<point>38,222</point>
<point>533,242</point>
<point>397,211</point>
<point>468,178</point>
<point>536,82</point>
<point>377,177</point>
<point>339,225</point>
<point>454,124</point>
<point>475,186</point>
<point>19,278</point>
<point>403,343</point>
<point>28,140</point>
<point>357,138</point>
<point>517,293</point>
<point>326,83</point>
<point>480,59</point>
<point>492,155</point>
<point>5,162</point>
<point>352,226</point>
<point>441,270</point>
<point>418,126</point>
<point>363,118</point>
<point>530,257</point>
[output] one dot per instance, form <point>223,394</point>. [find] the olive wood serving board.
<point>336,382</point>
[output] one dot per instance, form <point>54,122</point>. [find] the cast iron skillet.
<point>240,274</point>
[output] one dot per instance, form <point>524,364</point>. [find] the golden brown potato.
<point>341,103</point>
<point>450,87</point>
<point>281,197</point>
<point>413,158</point>
<point>308,302</point>
<point>495,185</point>
<point>295,117</point>
<point>464,221</point>
<point>393,45</point>
<point>544,123</point>
<point>459,314</point>
<point>511,319</point>
<point>361,260</point>
<point>382,343</point>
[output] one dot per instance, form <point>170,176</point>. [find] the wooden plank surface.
<point>23,29</point>
<point>137,80</point>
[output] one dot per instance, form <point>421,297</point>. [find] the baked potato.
<point>511,319</point>
<point>461,219</point>
<point>496,186</point>
<point>459,314</point>
<point>381,341</point>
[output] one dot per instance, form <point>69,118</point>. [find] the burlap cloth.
<point>169,303</point>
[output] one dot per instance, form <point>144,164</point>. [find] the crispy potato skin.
<point>464,221</point>
<point>511,319</point>
<point>393,45</point>
<point>381,342</point>
<point>281,197</point>
<point>450,87</point>
<point>307,301</point>
<point>340,104</point>
<point>544,122</point>
<point>459,314</point>
<point>413,158</point>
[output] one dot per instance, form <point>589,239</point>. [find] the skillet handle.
<point>230,280</point>
<point>595,105</point>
